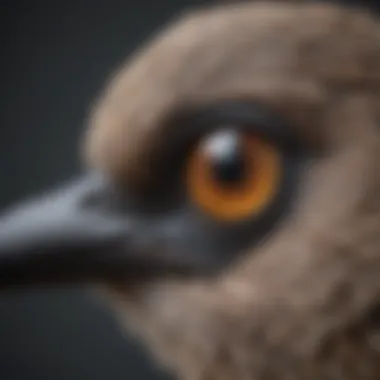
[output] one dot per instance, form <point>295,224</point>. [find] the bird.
<point>229,213</point>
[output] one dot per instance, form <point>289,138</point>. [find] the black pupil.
<point>225,150</point>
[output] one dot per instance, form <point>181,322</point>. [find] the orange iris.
<point>249,195</point>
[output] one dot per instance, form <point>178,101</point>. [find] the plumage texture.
<point>303,304</point>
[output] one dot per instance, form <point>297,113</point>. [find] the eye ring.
<point>209,240</point>
<point>247,195</point>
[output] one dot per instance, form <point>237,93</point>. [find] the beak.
<point>68,235</point>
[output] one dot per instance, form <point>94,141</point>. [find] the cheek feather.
<point>299,304</point>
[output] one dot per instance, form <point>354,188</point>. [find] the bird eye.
<point>232,174</point>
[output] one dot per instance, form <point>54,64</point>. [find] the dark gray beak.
<point>66,236</point>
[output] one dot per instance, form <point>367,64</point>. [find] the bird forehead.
<point>275,53</point>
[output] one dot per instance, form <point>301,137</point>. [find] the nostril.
<point>96,198</point>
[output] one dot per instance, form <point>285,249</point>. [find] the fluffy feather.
<point>304,303</point>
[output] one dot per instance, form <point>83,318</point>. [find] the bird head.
<point>230,214</point>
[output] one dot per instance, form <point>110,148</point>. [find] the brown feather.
<point>304,303</point>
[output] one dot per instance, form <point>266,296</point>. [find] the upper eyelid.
<point>193,123</point>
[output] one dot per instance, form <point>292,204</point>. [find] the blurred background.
<point>55,58</point>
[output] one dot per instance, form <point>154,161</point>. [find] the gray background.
<point>55,57</point>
